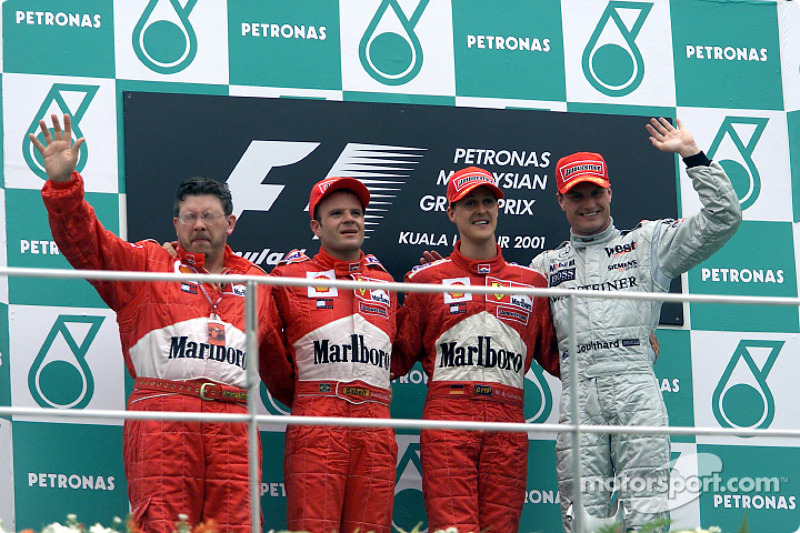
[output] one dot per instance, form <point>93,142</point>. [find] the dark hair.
<point>200,186</point>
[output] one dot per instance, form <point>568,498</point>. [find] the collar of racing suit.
<point>232,262</point>
<point>341,268</point>
<point>482,266</point>
<point>591,240</point>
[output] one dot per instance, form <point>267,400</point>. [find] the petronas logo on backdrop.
<point>742,398</point>
<point>390,50</point>
<point>273,406</point>
<point>733,148</point>
<point>407,495</point>
<point>60,376</point>
<point>538,398</point>
<point>612,63</point>
<point>62,98</point>
<point>163,38</point>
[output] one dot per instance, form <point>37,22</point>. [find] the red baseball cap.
<point>579,167</point>
<point>323,188</point>
<point>462,182</point>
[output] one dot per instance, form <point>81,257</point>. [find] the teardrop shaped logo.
<point>56,101</point>
<point>733,148</point>
<point>163,38</point>
<point>407,494</point>
<point>273,406</point>
<point>59,376</point>
<point>390,50</point>
<point>538,398</point>
<point>742,398</point>
<point>611,61</point>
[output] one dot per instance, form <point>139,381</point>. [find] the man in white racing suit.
<point>616,384</point>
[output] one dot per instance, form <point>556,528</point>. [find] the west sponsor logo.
<point>620,249</point>
<point>326,352</point>
<point>183,348</point>
<point>453,354</point>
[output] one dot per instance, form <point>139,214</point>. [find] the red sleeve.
<point>407,348</point>
<point>275,362</point>
<point>84,242</point>
<point>546,353</point>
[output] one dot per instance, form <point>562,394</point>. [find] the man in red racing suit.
<point>338,479</point>
<point>475,350</point>
<point>184,344</point>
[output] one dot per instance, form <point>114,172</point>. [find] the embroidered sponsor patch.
<point>457,309</point>
<point>484,390</point>
<point>325,387</point>
<point>456,389</point>
<point>456,296</point>
<point>504,313</point>
<point>191,288</point>
<point>372,309</point>
<point>324,303</point>
<point>484,268</point>
<point>631,342</point>
<point>320,291</point>
<point>356,391</point>
<point>520,301</point>
<point>560,276</point>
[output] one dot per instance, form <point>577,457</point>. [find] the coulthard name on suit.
<point>481,355</point>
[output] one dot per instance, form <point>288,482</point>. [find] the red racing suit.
<point>475,350</point>
<point>338,479</point>
<point>198,469</point>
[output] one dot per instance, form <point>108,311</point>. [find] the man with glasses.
<point>184,343</point>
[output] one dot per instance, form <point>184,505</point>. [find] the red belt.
<point>205,390</point>
<point>351,391</point>
<point>478,391</point>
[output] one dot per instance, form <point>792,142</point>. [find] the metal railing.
<point>253,379</point>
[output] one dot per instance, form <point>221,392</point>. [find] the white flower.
<point>55,527</point>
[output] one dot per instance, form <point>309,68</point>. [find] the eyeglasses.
<point>207,218</point>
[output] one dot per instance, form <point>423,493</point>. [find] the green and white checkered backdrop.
<point>729,69</point>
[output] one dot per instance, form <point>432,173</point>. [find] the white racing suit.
<point>616,383</point>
